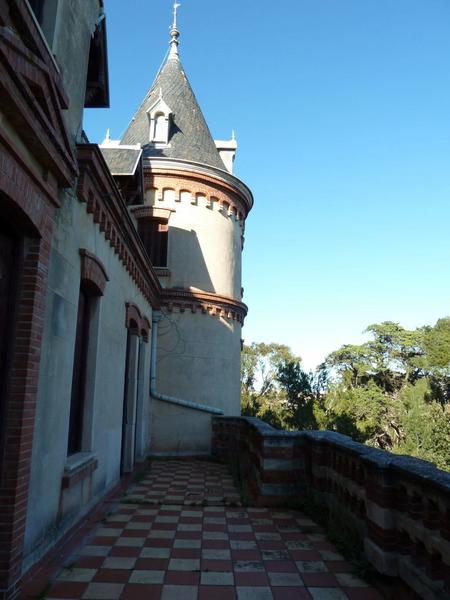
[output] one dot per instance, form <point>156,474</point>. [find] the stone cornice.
<point>206,302</point>
<point>98,190</point>
<point>221,178</point>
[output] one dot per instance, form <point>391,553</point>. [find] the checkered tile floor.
<point>179,535</point>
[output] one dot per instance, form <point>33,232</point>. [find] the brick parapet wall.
<point>399,506</point>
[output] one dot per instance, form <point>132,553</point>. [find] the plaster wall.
<point>198,360</point>
<point>102,434</point>
<point>204,247</point>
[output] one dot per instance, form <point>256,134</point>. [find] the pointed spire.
<point>174,35</point>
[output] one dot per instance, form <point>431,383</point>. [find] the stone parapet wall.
<point>399,506</point>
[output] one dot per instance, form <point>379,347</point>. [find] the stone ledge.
<point>78,467</point>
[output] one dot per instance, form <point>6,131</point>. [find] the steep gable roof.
<point>189,135</point>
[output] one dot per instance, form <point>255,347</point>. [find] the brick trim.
<point>207,303</point>
<point>93,273</point>
<point>197,183</point>
<point>135,322</point>
<point>98,190</point>
<point>21,405</point>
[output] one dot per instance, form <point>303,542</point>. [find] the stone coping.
<point>423,471</point>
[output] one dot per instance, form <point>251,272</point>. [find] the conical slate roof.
<point>189,136</point>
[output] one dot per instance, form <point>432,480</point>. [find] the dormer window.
<point>160,116</point>
<point>160,128</point>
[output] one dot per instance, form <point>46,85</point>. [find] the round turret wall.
<point>205,234</point>
<point>198,360</point>
<point>199,335</point>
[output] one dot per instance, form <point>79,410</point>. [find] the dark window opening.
<point>79,373</point>
<point>154,235</point>
<point>9,255</point>
<point>125,403</point>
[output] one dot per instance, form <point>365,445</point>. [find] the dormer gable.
<point>159,117</point>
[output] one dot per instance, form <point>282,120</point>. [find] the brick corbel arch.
<point>133,318</point>
<point>135,322</point>
<point>93,273</point>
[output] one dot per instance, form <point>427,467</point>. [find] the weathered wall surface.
<point>204,250</point>
<point>198,360</point>
<point>51,508</point>
<point>75,230</point>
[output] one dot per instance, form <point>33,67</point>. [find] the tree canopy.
<point>392,392</point>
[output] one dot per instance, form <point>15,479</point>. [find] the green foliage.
<point>392,392</point>
<point>298,387</point>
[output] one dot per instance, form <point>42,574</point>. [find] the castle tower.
<point>192,224</point>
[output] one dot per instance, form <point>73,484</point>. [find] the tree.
<point>298,387</point>
<point>391,392</point>
<point>260,390</point>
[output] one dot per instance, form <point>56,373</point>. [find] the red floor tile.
<point>187,480</point>
<point>158,543</point>
<point>216,544</point>
<point>125,551</point>
<point>251,579</point>
<point>362,594</point>
<point>135,591</point>
<point>338,566</point>
<point>185,553</point>
<point>305,555</point>
<point>216,592</point>
<point>217,565</point>
<point>270,545</point>
<point>152,564</point>
<point>280,566</point>
<point>89,562</point>
<point>112,576</point>
<point>320,580</point>
<point>182,578</point>
<point>246,554</point>
<point>290,593</point>
<point>67,589</point>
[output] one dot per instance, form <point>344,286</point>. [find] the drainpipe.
<point>164,397</point>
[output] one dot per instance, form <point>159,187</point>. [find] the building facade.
<point>120,291</point>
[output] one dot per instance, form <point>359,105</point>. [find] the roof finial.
<point>174,34</point>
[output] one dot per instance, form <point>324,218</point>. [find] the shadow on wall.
<point>187,262</point>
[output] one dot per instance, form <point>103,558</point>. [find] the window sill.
<point>162,271</point>
<point>78,467</point>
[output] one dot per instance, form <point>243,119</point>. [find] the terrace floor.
<point>180,533</point>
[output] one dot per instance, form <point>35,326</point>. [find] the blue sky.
<point>342,114</point>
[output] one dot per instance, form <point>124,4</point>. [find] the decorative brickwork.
<point>399,505</point>
<point>218,194</point>
<point>31,91</point>
<point>212,304</point>
<point>135,322</point>
<point>93,273</point>
<point>21,405</point>
<point>97,189</point>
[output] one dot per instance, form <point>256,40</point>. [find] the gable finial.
<point>174,34</point>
